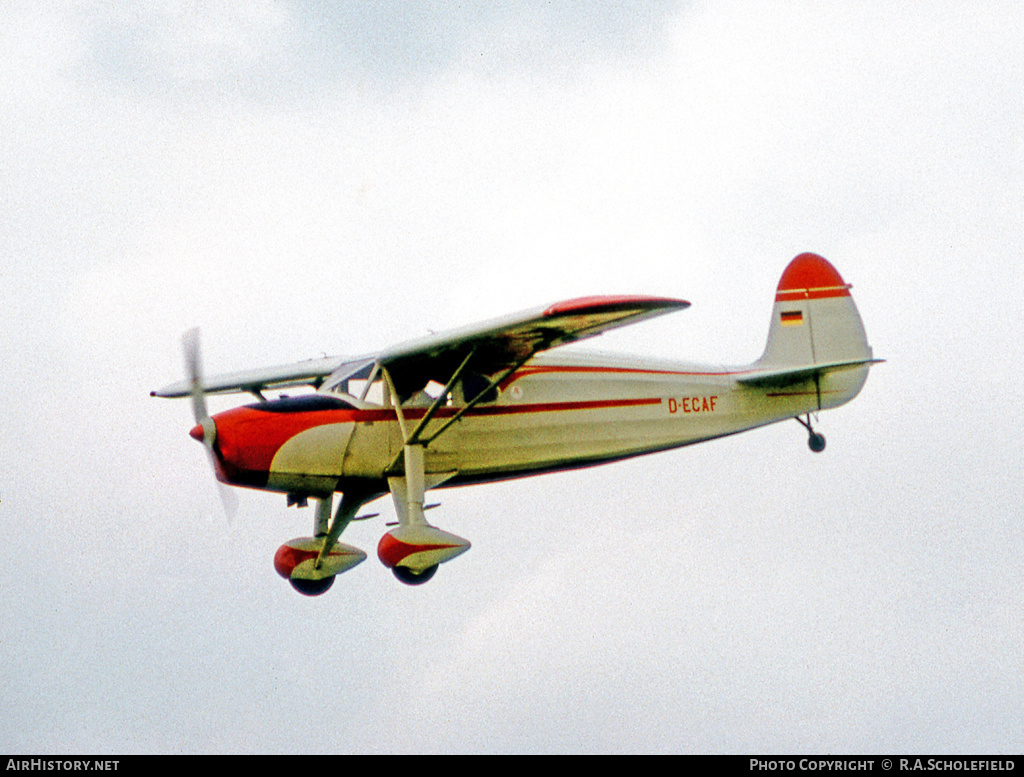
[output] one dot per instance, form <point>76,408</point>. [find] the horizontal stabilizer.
<point>788,376</point>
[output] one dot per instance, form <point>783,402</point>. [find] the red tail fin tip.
<point>810,276</point>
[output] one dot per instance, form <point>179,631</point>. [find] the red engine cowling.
<point>419,547</point>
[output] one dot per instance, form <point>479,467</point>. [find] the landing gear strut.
<point>815,440</point>
<point>310,564</point>
<point>413,550</point>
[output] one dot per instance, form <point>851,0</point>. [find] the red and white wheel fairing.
<point>296,559</point>
<point>419,547</point>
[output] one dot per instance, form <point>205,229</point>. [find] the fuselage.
<point>560,410</point>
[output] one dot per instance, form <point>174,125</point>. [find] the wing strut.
<point>416,437</point>
<point>477,399</point>
<point>441,400</point>
<point>397,404</point>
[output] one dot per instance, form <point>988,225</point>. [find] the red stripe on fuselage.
<point>248,438</point>
<point>582,369</point>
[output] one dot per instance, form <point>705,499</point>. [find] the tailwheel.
<point>312,587</point>
<point>409,577</point>
<point>815,440</point>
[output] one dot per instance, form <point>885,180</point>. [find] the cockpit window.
<point>356,371</point>
<point>307,403</point>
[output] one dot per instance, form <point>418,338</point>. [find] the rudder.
<point>816,323</point>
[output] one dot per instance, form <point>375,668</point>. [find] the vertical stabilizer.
<point>815,324</point>
<point>814,320</point>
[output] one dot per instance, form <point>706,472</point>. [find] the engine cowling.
<point>295,561</point>
<point>419,547</point>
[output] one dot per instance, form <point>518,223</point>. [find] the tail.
<point>816,337</point>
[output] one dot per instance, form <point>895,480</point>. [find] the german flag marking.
<point>791,317</point>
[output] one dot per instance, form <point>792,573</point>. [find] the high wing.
<point>494,346</point>
<point>502,344</point>
<point>311,372</point>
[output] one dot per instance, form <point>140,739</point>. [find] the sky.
<point>301,179</point>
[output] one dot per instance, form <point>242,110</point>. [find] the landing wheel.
<point>312,587</point>
<point>409,577</point>
<point>816,441</point>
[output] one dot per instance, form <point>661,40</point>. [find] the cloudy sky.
<point>299,179</point>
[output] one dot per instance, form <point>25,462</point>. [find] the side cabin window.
<point>473,383</point>
<point>426,396</point>
<point>367,391</point>
<point>465,391</point>
<point>360,382</point>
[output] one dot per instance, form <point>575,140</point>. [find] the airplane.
<point>498,400</point>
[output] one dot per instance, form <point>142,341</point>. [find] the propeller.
<point>204,423</point>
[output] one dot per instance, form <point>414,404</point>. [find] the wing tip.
<point>609,303</point>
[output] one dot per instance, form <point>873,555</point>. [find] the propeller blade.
<point>228,498</point>
<point>194,371</point>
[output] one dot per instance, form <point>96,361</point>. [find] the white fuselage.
<point>558,411</point>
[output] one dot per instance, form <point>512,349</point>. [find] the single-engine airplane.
<point>493,401</point>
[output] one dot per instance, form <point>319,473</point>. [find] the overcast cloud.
<point>300,179</point>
